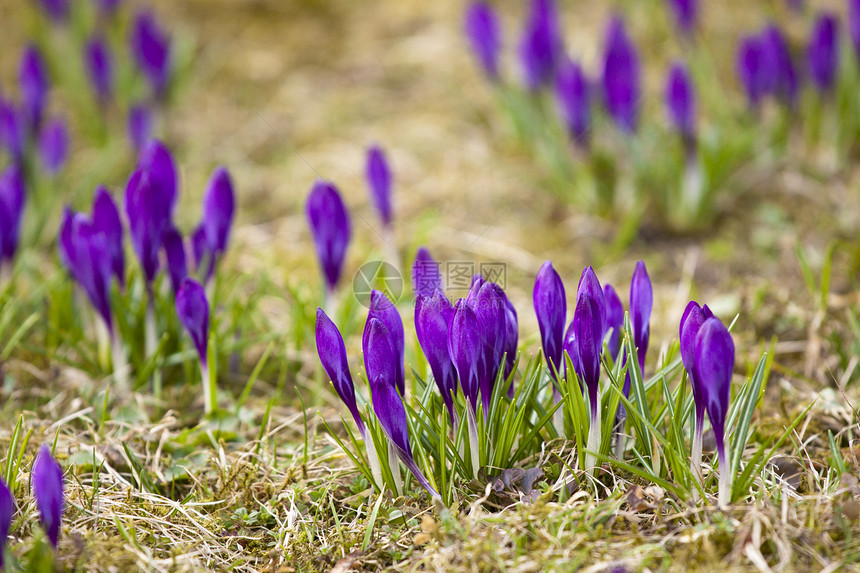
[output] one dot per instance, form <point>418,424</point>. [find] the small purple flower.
<point>379,181</point>
<point>589,328</point>
<point>641,303</point>
<point>159,166</point>
<point>332,353</point>
<point>433,317</point>
<point>485,37</point>
<point>781,75</point>
<point>33,86</point>
<point>13,130</point>
<point>12,189</point>
<point>385,311</point>
<point>686,13</point>
<point>107,220</point>
<point>56,10</point>
<point>681,101</point>
<point>752,69</point>
<point>139,125</point>
<point>614,319</point>
<point>147,221</point>
<point>541,45</point>
<point>489,307</point>
<point>47,482</point>
<point>53,146</point>
<point>822,53</point>
<point>7,508</point>
<point>150,49</point>
<point>691,322</point>
<point>464,347</point>
<point>192,308</point>
<point>213,233</point>
<point>551,308</point>
<point>330,227</point>
<point>426,276</point>
<point>99,65</point>
<point>574,101</point>
<point>174,250</point>
<point>621,82</point>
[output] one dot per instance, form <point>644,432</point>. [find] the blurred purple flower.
<point>691,322</point>
<point>213,233</point>
<point>752,69</point>
<point>150,49</point>
<point>426,277</point>
<point>174,251</point>
<point>7,508</point>
<point>854,24</point>
<point>614,319</point>
<point>148,218</point>
<point>681,102</point>
<point>382,309</point>
<point>641,303</point>
<point>99,65</point>
<point>489,306</point>
<point>139,125</point>
<point>107,7</point>
<point>56,10</point>
<point>551,309</point>
<point>330,227</point>
<point>781,76</point>
<point>686,13</point>
<point>541,46</point>
<point>589,328</point>
<point>332,353</point>
<point>192,308</point>
<point>433,317</point>
<point>379,181</point>
<point>47,482</point>
<point>13,130</point>
<point>107,220</point>
<point>485,37</point>
<point>621,89</point>
<point>53,145</point>
<point>33,85</point>
<point>12,190</point>
<point>822,53</point>
<point>464,347</point>
<point>574,101</point>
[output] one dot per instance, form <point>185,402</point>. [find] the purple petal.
<point>380,358</point>
<point>47,482</point>
<point>219,205</point>
<point>379,181</point>
<point>332,353</point>
<point>822,53</point>
<point>33,87</point>
<point>752,68</point>
<point>84,248</point>
<point>330,227</point>
<point>433,317</point>
<point>426,276</point>
<point>13,129</point>
<point>621,81</point>
<point>12,189</point>
<point>574,101</point>
<point>99,65</point>
<point>686,13</point>
<point>464,347</point>
<point>107,220</point>
<point>53,145</point>
<point>139,125</point>
<point>614,320</point>
<point>550,307</point>
<point>641,302</point>
<point>681,101</point>
<point>541,46</point>
<point>7,508</point>
<point>192,308</point>
<point>157,163</point>
<point>511,341</point>
<point>781,76</point>
<point>150,48</point>
<point>489,307</point>
<point>484,35</point>
<point>383,309</point>
<point>174,250</point>
<point>146,220</point>
<point>56,10</point>
<point>715,361</point>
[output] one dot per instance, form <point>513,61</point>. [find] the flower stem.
<point>394,464</point>
<point>373,460</point>
<point>594,435</point>
<point>151,341</point>
<point>210,399</point>
<point>696,456</point>
<point>120,365</point>
<point>725,491</point>
<point>473,440</point>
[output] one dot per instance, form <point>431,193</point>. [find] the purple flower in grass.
<point>485,37</point>
<point>433,317</point>
<point>99,65</point>
<point>589,328</point>
<point>53,145</point>
<point>551,308</point>
<point>382,309</point>
<point>107,7</point>
<point>192,308</point>
<point>379,181</point>
<point>12,189</point>
<point>107,220</point>
<point>691,322</point>
<point>681,102</point>
<point>381,359</point>
<point>174,251</point>
<point>150,49</point>
<point>782,78</point>
<point>752,69</point>
<point>541,45</point>
<point>464,347</point>
<point>426,276</point>
<point>33,86</point>
<point>686,13</point>
<point>13,130</point>
<point>330,227</point>
<point>641,303</point>
<point>47,483</point>
<point>574,101</point>
<point>822,52</point>
<point>7,508</point>
<point>489,306</point>
<point>511,340</point>
<point>614,319</point>
<point>332,353</point>
<point>159,166</point>
<point>621,77</point>
<point>571,349</point>
<point>854,24</point>
<point>56,10</point>
<point>213,232</point>
<point>139,125</point>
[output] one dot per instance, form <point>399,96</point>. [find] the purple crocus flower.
<point>681,102</point>
<point>854,24</point>
<point>7,507</point>
<point>781,77</point>
<point>13,130</point>
<point>574,101</point>
<point>213,232</point>
<point>139,125</point>
<point>511,340</point>
<point>53,146</point>
<point>822,53</point>
<point>426,276</point>
<point>641,303</point>
<point>107,220</point>
<point>150,49</point>
<point>107,7</point>
<point>33,86</point>
<point>332,353</point>
<point>621,83</point>
<point>192,308</point>
<point>571,349</point>
<point>589,328</point>
<point>550,307</point>
<point>99,65</point>
<point>56,10</point>
<point>379,181</point>
<point>157,162</point>
<point>12,188</point>
<point>489,307</point>
<point>433,317</point>
<point>541,45</point>
<point>691,322</point>
<point>385,311</point>
<point>330,227</point>
<point>174,250</point>
<point>614,319</point>
<point>686,13</point>
<point>485,37</point>
<point>47,482</point>
<point>752,69</point>
<point>380,359</point>
<point>464,347</point>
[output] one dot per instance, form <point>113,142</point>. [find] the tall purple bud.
<point>213,233</point>
<point>589,328</point>
<point>426,276</point>
<point>485,37</point>
<point>782,77</point>
<point>192,308</point>
<point>330,227</point>
<point>489,307</point>
<point>822,52</point>
<point>53,146</point>
<point>139,125</point>
<point>107,220</point>
<point>174,250</point>
<point>13,129</point>
<point>379,181</point>
<point>433,317</point>
<point>85,252</point>
<point>33,86</point>
<point>150,49</point>
<point>686,14</point>
<point>621,81</point>
<point>12,188</point>
<point>99,65</point>
<point>574,101</point>
<point>541,46</point>
<point>332,353</point>
<point>614,319</point>
<point>752,69</point>
<point>464,347</point>
<point>47,482</point>
<point>382,309</point>
<point>551,308</point>
<point>681,102</point>
<point>7,508</point>
<point>641,303</point>
<point>691,322</point>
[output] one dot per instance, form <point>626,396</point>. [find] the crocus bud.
<point>433,317</point>
<point>12,189</point>
<point>84,250</point>
<point>99,65</point>
<point>614,319</point>
<point>464,347</point>
<point>621,89</point>
<point>570,347</point>
<point>541,45</point>
<point>550,307</point>
<point>822,53</point>
<point>7,507</point>
<point>53,146</point>
<point>641,302</point>
<point>146,220</point>
<point>139,125</point>
<point>385,311</point>
<point>150,48</point>
<point>47,482</point>
<point>192,308</point>
<point>174,250</point>
<point>686,14</point>
<point>489,308</point>
<point>33,86</point>
<point>752,69</point>
<point>426,277</point>
<point>574,101</point>
<point>13,131</point>
<point>589,328</point>
<point>158,164</point>
<point>330,227</point>
<point>213,233</point>
<point>691,322</point>
<point>484,35</point>
<point>379,181</point>
<point>56,10</point>
<point>782,77</point>
<point>681,101</point>
<point>332,353</point>
<point>107,220</point>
